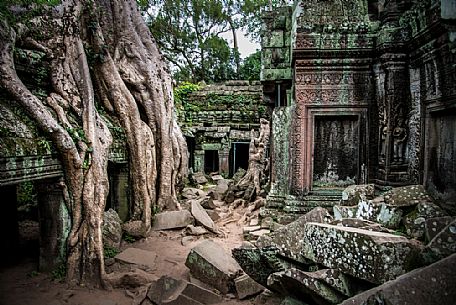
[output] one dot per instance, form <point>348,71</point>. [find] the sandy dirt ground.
<point>21,284</point>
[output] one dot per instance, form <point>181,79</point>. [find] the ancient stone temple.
<point>217,121</point>
<point>365,92</point>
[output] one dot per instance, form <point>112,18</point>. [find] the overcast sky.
<point>245,46</point>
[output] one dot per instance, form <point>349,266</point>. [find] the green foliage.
<point>109,252</point>
<point>26,193</point>
<point>251,67</point>
<point>33,273</point>
<point>59,273</point>
<point>128,238</point>
<point>188,33</point>
<point>32,9</point>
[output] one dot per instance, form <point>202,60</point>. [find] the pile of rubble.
<point>393,248</point>
<point>325,259</point>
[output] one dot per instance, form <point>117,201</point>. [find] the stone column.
<point>199,161</point>
<point>224,163</point>
<point>54,224</point>
<point>393,126</point>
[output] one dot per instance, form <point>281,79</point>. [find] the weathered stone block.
<point>172,220</point>
<point>259,264</point>
<point>373,256</point>
<point>442,245</point>
<point>341,211</point>
<point>434,226</point>
<point>431,285</point>
<point>354,193</point>
<point>199,178</point>
<point>211,264</point>
<point>170,291</point>
<point>202,217</point>
<point>192,193</point>
<point>304,285</point>
<point>361,224</point>
<point>247,287</point>
<point>112,229</point>
<point>415,221</point>
<point>207,203</point>
<point>137,257</point>
<point>288,239</point>
<point>406,196</point>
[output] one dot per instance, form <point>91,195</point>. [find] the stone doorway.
<point>336,150</point>
<point>211,161</point>
<point>239,156</point>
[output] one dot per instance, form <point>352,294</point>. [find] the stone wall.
<point>374,82</point>
<point>218,120</point>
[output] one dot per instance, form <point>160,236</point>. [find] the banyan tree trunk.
<point>101,56</point>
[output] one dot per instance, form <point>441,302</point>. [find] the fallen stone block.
<point>192,193</point>
<point>207,203</point>
<point>202,217</point>
<point>211,264</point>
<point>373,256</point>
<point>258,263</point>
<point>247,287</point>
<point>268,297</point>
<point>192,230</point>
<point>434,226</point>
<point>304,285</point>
<point>406,196</point>
<point>135,228</point>
<point>361,224</point>
<point>431,285</point>
<point>288,239</point>
<point>132,279</point>
<point>137,257</point>
<point>172,220</point>
<point>341,211</point>
<point>112,229</point>
<point>388,216</point>
<point>354,193</point>
<point>346,285</point>
<point>199,178</point>
<point>170,291</point>
<point>442,245</point>
<point>415,221</point>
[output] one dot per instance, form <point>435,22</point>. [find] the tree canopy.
<point>189,35</point>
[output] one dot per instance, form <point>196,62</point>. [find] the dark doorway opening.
<point>336,151</point>
<point>19,227</point>
<point>239,156</point>
<point>211,161</point>
<point>191,152</point>
<point>119,194</point>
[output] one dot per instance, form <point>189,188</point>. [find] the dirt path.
<point>22,285</point>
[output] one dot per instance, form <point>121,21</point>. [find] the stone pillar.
<point>224,163</point>
<point>393,121</point>
<point>54,224</point>
<point>9,230</point>
<point>199,161</point>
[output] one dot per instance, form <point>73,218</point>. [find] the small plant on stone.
<point>128,238</point>
<point>110,252</point>
<point>33,273</point>
<point>59,273</point>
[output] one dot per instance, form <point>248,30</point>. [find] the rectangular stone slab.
<point>172,220</point>
<point>373,256</point>
<point>212,264</point>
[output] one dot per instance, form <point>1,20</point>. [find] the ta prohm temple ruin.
<point>331,180</point>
